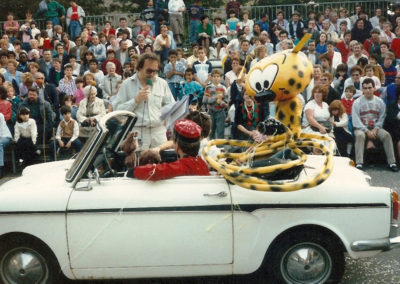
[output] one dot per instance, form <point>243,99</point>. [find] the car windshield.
<point>104,143</point>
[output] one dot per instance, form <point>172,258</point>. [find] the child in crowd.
<point>15,102</point>
<point>67,134</point>
<point>49,29</point>
<point>202,68</point>
<point>127,68</point>
<point>68,100</point>
<point>174,71</point>
<point>369,71</point>
<point>373,60</point>
<point>340,121</point>
<point>388,68</point>
<point>232,25</point>
<point>347,102</point>
<point>79,95</point>
<point>25,137</point>
<point>55,72</point>
<point>340,77</point>
<point>216,99</point>
<point>192,89</point>
<point>180,57</point>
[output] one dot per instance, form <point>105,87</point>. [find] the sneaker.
<point>359,166</point>
<point>393,168</point>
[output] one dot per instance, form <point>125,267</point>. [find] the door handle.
<point>219,194</point>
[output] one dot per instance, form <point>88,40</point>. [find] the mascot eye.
<point>268,76</point>
<point>256,80</point>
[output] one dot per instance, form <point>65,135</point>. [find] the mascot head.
<point>280,76</point>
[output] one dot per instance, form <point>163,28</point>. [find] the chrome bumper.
<point>393,241</point>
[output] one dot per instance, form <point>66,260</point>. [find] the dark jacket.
<point>53,76</point>
<point>45,115</point>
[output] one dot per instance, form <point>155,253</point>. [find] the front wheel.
<point>23,261</point>
<point>305,257</point>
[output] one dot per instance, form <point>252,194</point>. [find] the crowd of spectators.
<point>56,84</point>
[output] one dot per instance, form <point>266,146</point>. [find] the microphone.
<point>149,82</point>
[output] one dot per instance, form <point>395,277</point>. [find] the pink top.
<point>79,95</point>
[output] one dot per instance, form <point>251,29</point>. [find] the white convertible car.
<point>83,219</point>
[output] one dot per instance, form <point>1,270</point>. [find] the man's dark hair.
<point>65,110</point>
<point>347,33</point>
<point>341,67</point>
<point>368,81</point>
<point>144,57</point>
<point>122,19</point>
<point>190,149</point>
<point>33,89</point>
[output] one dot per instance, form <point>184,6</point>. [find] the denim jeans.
<point>56,21</point>
<point>4,141</point>
<point>75,29</point>
<point>193,30</point>
<point>217,125</point>
<point>176,90</point>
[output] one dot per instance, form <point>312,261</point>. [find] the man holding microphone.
<point>145,94</point>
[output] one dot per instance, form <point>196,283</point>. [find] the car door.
<point>124,222</point>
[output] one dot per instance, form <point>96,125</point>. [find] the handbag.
<point>326,124</point>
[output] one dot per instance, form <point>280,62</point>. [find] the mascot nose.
<point>265,97</point>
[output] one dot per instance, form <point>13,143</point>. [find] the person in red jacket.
<point>344,46</point>
<point>111,58</point>
<point>187,143</point>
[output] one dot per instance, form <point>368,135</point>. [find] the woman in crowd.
<point>316,113</point>
<point>86,57</point>
<point>247,116</point>
<point>321,45</point>
<point>91,109</point>
<point>234,73</point>
<point>205,32</point>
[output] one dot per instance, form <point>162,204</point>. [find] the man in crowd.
<point>41,112</point>
<point>368,114</point>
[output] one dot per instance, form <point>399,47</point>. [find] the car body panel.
<point>147,231</point>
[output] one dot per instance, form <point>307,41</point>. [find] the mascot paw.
<point>271,127</point>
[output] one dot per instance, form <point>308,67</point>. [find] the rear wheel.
<point>305,257</point>
<point>23,261</point>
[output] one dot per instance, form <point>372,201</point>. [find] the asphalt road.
<point>383,268</point>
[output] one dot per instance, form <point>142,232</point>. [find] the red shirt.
<point>74,15</point>
<point>6,109</point>
<point>348,104</point>
<point>344,50</point>
<point>395,46</point>
<point>188,166</point>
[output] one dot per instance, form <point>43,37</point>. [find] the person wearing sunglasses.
<point>145,94</point>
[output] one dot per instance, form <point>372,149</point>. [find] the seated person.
<point>187,143</point>
<point>67,135</point>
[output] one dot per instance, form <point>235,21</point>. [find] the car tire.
<point>305,257</point>
<point>28,261</point>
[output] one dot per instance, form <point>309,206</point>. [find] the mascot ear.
<point>129,144</point>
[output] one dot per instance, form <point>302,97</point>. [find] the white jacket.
<point>99,110</point>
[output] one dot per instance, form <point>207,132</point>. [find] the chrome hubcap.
<point>23,265</point>
<point>306,263</point>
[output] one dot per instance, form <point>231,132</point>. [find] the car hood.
<point>41,188</point>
